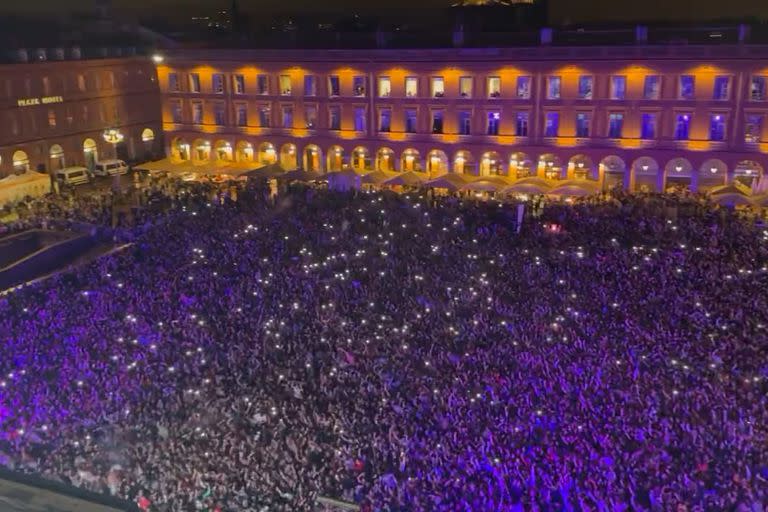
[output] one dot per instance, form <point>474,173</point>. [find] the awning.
<point>410,179</point>
<point>450,181</point>
<point>491,184</point>
<point>571,191</point>
<point>531,189</point>
<point>377,177</point>
<point>300,175</point>
<point>732,199</point>
<point>266,172</point>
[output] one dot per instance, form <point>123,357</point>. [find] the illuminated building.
<point>641,117</point>
<point>66,107</point>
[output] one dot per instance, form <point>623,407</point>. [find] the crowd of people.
<point>402,352</point>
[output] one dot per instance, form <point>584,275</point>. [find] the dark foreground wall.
<point>27,493</point>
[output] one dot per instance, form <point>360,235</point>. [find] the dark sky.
<point>560,10</point>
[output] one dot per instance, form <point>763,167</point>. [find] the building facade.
<point>639,117</point>
<point>56,108</point>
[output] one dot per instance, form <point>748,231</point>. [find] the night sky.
<point>560,10</point>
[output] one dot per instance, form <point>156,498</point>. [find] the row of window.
<point>686,87</point>
<point>59,84</point>
<point>648,124</point>
<point>83,115</point>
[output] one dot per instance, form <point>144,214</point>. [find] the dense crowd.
<point>407,353</point>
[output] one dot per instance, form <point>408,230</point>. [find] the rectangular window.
<point>242,114</point>
<point>262,84</point>
<point>285,85</point>
<point>51,118</point>
<point>757,88</point>
<point>648,126</point>
<point>194,82</point>
<point>494,119</point>
<point>753,127</point>
<point>465,122</point>
<point>219,116</point>
<point>521,124</point>
<point>360,119</point>
<point>687,87</point>
<point>585,87</point>
<point>358,86</point>
<point>618,87</point>
<point>111,81</point>
<point>334,118</point>
<point>722,88</point>
<point>438,87</point>
<point>437,121</point>
<point>553,88</point>
<point>81,82</point>
<point>682,126</point>
<point>410,120</point>
<point>176,115</point>
<point>310,85</point>
<point>465,86</point>
<point>411,86</point>
<point>385,120</point>
<point>615,125</point>
<point>334,85</point>
<point>217,82</point>
<point>197,112</point>
<point>71,116</point>
<point>265,116</point>
<point>310,116</point>
<point>583,122</point>
<point>86,115</point>
<point>716,127</point>
<point>524,87</point>
<point>494,86</point>
<point>551,124</point>
<point>288,117</point>
<point>652,87</point>
<point>238,84</point>
<point>385,87</point>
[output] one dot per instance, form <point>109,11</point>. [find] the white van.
<point>110,168</point>
<point>73,175</point>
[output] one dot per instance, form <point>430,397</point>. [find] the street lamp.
<point>113,136</point>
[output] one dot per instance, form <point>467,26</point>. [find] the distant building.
<point>569,109</point>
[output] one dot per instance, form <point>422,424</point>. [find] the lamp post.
<point>113,136</point>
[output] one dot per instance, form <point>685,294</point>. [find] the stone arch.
<point>223,150</point>
<point>180,150</point>
<point>90,153</point>
<point>201,150</point>
<point>267,153</point>
<point>581,167</point>
<point>313,158</point>
<point>678,175</point>
<point>56,155</point>
<point>491,164</point>
<point>613,171</point>
<point>410,160</point>
<point>437,162</point>
<point>20,161</point>
<point>520,165</point>
<point>712,173</point>
<point>385,159</point>
<point>747,172</point>
<point>244,151</point>
<point>360,158</point>
<point>645,175</point>
<point>335,158</point>
<point>464,163</point>
<point>550,167</point>
<point>289,157</point>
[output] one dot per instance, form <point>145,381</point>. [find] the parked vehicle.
<point>110,168</point>
<point>73,176</point>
